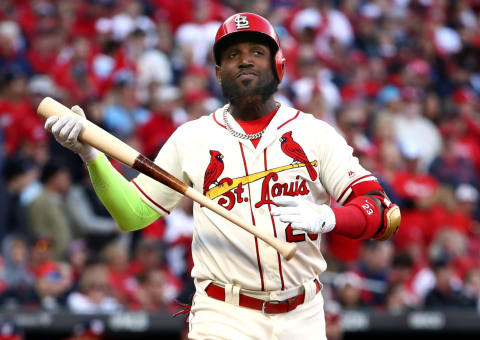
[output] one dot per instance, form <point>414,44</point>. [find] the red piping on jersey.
<point>253,218</point>
<point>216,121</point>
<point>288,121</point>
<point>351,184</point>
<point>150,199</point>
<point>273,225</point>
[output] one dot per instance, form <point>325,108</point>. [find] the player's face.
<point>246,71</point>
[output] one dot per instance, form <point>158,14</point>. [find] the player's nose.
<point>245,60</point>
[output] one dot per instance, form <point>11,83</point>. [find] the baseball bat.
<point>115,148</point>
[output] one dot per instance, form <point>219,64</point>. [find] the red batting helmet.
<point>249,22</point>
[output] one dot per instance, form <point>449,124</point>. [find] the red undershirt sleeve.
<point>360,217</point>
<point>350,222</point>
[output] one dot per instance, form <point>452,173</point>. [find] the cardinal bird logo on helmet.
<point>214,170</point>
<point>295,151</point>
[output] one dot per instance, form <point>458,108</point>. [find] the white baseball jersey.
<point>297,155</point>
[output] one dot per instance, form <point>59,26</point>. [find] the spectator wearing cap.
<point>53,279</point>
<point>19,173</point>
<point>349,286</point>
<point>196,104</point>
<point>47,214</point>
<point>124,113</point>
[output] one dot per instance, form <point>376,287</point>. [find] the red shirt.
<point>257,125</point>
<point>154,133</point>
<point>414,186</point>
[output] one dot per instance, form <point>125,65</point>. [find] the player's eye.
<point>258,52</point>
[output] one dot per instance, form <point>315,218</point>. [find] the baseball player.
<point>268,163</point>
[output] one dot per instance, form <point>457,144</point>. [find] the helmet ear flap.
<point>280,62</point>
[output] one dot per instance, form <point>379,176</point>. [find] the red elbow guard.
<point>371,211</point>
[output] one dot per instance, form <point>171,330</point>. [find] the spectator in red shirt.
<point>52,279</point>
<point>14,109</point>
<point>155,132</point>
<point>74,72</point>
<point>122,283</point>
<point>417,190</point>
<point>45,50</point>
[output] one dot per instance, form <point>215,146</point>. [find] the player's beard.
<point>263,90</point>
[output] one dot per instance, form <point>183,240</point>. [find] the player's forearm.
<point>350,222</point>
<point>119,196</point>
<point>367,216</point>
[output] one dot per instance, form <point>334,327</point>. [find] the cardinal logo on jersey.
<point>295,151</point>
<point>231,190</point>
<point>214,170</point>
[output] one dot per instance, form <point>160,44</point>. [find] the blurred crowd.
<point>399,78</point>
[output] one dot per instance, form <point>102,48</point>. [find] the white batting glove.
<point>305,215</point>
<point>66,131</point>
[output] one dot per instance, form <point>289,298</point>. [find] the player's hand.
<point>66,130</point>
<point>305,215</point>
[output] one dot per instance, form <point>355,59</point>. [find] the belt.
<point>267,307</point>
